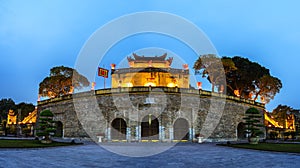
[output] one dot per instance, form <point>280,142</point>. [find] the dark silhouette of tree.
<point>62,81</point>
<point>245,77</point>
<point>25,109</point>
<point>251,80</point>
<point>280,114</point>
<point>267,87</point>
<point>5,105</point>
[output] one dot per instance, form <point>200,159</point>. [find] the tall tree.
<point>281,112</point>
<point>245,78</point>
<point>25,109</point>
<point>211,67</point>
<point>62,81</point>
<point>267,87</point>
<point>5,105</point>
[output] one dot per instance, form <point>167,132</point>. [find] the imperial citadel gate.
<point>149,101</point>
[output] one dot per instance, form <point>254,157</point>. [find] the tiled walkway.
<point>181,155</point>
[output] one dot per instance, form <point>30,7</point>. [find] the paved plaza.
<point>181,155</point>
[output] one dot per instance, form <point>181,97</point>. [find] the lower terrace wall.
<point>175,114</point>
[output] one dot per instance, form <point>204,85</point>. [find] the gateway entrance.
<point>181,129</point>
<point>118,129</point>
<point>150,128</point>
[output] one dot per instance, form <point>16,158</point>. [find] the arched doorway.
<point>241,131</point>
<point>150,128</point>
<point>181,129</point>
<point>118,129</point>
<point>59,129</point>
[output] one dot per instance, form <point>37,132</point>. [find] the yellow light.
<point>150,84</point>
<point>171,84</point>
<point>237,93</point>
<point>129,84</point>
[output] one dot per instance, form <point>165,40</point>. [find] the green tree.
<point>281,112</point>
<point>46,125</point>
<point>253,122</point>
<point>5,105</point>
<point>267,87</point>
<point>251,80</point>
<point>62,81</point>
<point>25,109</point>
<point>211,67</point>
<point>245,77</point>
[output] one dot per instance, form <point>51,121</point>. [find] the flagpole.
<point>104,82</point>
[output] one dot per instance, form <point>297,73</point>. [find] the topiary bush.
<point>46,125</point>
<point>253,122</point>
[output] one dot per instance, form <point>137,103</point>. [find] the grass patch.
<point>276,147</point>
<point>5,143</point>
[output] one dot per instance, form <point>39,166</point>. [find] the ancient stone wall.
<point>214,116</point>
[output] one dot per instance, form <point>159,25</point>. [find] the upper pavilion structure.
<point>150,71</point>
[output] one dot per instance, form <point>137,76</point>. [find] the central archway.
<point>118,131</point>
<point>181,129</point>
<point>150,128</point>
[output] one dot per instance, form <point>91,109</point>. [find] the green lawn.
<point>278,147</point>
<point>4,143</point>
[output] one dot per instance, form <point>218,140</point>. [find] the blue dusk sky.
<point>38,35</point>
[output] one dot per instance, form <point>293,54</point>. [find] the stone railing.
<point>136,70</point>
<point>132,90</point>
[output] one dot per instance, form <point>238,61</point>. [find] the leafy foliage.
<point>5,106</point>
<point>249,79</point>
<point>25,108</point>
<point>46,124</point>
<point>282,112</point>
<point>9,104</point>
<point>267,87</point>
<point>210,66</point>
<point>245,77</point>
<point>252,122</point>
<point>62,81</point>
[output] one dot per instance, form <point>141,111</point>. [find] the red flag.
<point>103,72</point>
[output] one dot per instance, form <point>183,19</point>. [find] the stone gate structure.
<point>150,101</point>
<point>150,114</point>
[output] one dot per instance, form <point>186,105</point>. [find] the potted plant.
<point>253,125</point>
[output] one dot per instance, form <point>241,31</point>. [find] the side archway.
<point>241,131</point>
<point>118,129</point>
<point>181,129</point>
<point>59,129</point>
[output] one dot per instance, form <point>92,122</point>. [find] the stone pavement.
<point>181,155</point>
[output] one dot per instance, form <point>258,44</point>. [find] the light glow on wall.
<point>171,84</point>
<point>150,84</point>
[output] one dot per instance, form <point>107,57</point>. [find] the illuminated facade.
<point>275,129</point>
<point>11,118</point>
<point>149,101</point>
<point>31,118</point>
<point>150,71</point>
<point>289,124</point>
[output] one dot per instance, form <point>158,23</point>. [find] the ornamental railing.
<point>150,69</point>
